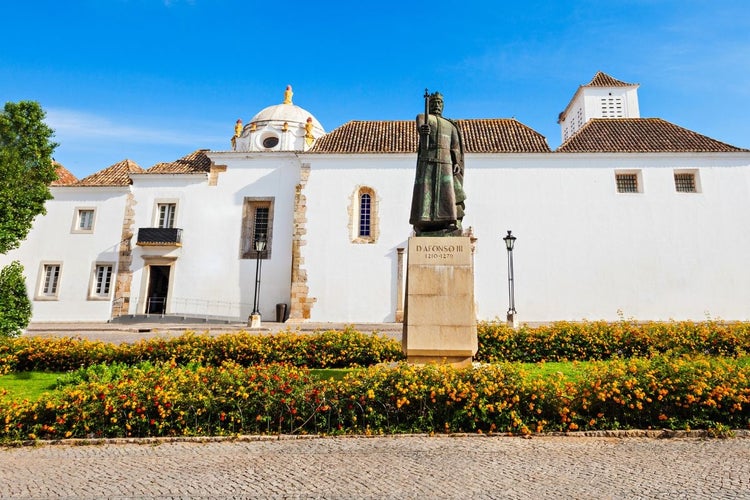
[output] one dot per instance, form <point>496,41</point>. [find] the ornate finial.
<point>308,131</point>
<point>288,95</point>
<point>238,128</point>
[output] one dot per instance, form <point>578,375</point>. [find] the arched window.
<point>363,212</point>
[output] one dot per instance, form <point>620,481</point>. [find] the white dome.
<point>290,113</point>
<point>281,127</point>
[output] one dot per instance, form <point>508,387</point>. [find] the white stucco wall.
<point>52,240</point>
<point>583,250</point>
<point>355,281</point>
<point>586,251</point>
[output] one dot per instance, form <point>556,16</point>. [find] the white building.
<point>630,215</point>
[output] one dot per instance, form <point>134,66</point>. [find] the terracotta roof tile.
<point>640,135</point>
<point>115,175</point>
<point>497,135</point>
<point>197,161</point>
<point>64,177</point>
<point>604,80</point>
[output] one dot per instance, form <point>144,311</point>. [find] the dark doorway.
<point>158,286</point>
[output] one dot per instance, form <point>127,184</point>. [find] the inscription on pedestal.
<point>440,321</point>
<point>439,253</point>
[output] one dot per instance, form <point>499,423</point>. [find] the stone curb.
<point>619,434</point>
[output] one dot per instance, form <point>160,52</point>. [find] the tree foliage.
<point>15,306</point>
<point>26,170</point>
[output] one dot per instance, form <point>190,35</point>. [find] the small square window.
<point>83,222</point>
<point>684,182</point>
<point>627,182</point>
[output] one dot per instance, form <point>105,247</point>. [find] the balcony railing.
<point>159,236</point>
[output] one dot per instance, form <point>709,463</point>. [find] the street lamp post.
<point>259,245</point>
<point>510,240</point>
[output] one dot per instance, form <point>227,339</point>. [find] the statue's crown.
<point>436,96</point>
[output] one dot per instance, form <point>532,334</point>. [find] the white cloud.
<point>77,126</point>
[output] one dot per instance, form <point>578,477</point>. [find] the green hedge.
<point>166,399</point>
<point>561,341</point>
<point>585,341</point>
<point>328,349</point>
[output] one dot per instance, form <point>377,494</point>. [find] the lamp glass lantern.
<point>509,240</point>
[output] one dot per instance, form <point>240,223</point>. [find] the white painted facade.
<point>55,240</point>
<point>584,250</point>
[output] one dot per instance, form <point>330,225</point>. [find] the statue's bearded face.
<point>436,106</point>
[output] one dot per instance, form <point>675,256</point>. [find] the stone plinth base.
<point>439,317</point>
<point>254,321</point>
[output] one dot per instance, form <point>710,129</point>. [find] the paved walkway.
<point>384,467</point>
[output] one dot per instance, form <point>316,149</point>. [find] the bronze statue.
<point>437,204</point>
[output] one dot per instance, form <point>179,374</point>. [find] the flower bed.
<point>166,399</point>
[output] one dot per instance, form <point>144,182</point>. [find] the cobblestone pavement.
<point>384,467</point>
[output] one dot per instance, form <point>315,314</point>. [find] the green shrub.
<point>15,306</point>
<point>328,349</point>
<point>585,341</point>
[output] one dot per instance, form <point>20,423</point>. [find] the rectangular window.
<point>260,224</point>
<point>49,281</point>
<point>257,222</point>
<point>627,182</point>
<point>83,222</point>
<point>102,280</point>
<point>685,182</point>
<point>166,213</point>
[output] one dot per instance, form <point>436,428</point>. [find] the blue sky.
<point>153,80</point>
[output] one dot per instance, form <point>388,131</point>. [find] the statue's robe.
<point>437,200</point>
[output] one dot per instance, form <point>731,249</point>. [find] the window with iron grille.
<point>684,182</point>
<point>627,182</point>
<point>364,214</point>
<point>257,222</point>
<point>260,224</point>
<point>102,280</point>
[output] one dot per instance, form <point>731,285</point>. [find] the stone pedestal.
<point>254,321</point>
<point>439,316</point>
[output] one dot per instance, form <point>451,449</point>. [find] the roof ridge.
<point>640,135</point>
<point>488,135</point>
<point>602,79</point>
